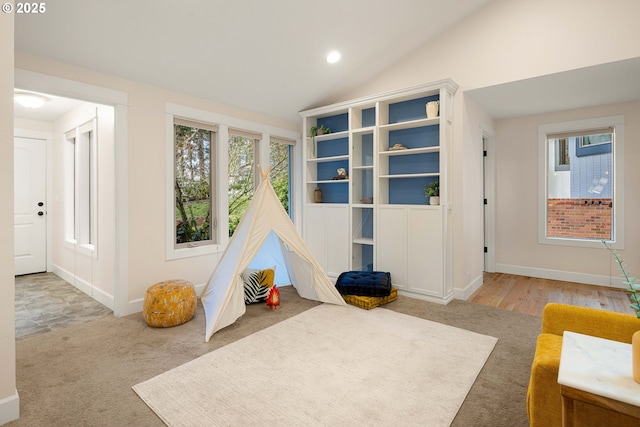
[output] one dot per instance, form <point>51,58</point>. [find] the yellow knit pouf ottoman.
<point>169,303</point>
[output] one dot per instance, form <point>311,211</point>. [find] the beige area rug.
<point>328,366</point>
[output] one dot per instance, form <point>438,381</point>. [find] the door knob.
<point>40,213</point>
<point>40,204</point>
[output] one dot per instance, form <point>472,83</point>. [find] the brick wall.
<point>579,218</point>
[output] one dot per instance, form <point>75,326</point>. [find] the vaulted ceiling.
<point>266,56</point>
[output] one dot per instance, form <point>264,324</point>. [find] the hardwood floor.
<point>530,295</point>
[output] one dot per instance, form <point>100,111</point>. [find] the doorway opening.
<point>60,189</point>
<point>488,174</point>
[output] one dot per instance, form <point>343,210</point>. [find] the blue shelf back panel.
<point>367,150</point>
<point>425,136</point>
<point>333,147</point>
<point>408,191</point>
<point>417,163</point>
<point>413,109</point>
<point>367,183</point>
<point>369,117</point>
<point>367,223</point>
<point>335,193</point>
<point>327,170</point>
<point>337,123</point>
<point>367,258</point>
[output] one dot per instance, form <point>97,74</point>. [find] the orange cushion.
<point>169,303</point>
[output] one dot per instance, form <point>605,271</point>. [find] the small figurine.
<point>342,174</point>
<point>273,299</point>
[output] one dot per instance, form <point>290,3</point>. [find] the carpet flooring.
<point>83,375</point>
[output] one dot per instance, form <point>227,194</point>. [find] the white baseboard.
<point>443,301</point>
<point>467,291</point>
<point>567,276</point>
<point>10,408</point>
<point>96,293</point>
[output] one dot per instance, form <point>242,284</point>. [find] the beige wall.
<point>9,407</point>
<point>146,172</point>
<point>517,200</point>
<point>508,40</point>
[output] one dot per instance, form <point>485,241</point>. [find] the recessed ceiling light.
<point>333,57</point>
<point>30,100</point>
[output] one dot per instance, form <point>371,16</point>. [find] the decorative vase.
<point>317,195</point>
<point>434,200</point>
<point>635,354</point>
<point>432,109</point>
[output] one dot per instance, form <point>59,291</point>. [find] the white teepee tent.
<point>223,297</point>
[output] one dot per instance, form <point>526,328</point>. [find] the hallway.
<point>45,302</point>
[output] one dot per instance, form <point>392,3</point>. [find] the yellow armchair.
<point>544,403</point>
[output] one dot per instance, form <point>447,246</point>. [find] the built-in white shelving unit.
<point>379,218</point>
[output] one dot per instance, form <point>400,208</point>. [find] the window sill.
<point>84,249</point>
<point>180,253</point>
<point>578,243</point>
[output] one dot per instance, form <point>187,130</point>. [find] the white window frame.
<point>213,129</point>
<point>290,149</point>
<point>81,189</point>
<point>617,123</point>
<point>174,251</point>
<point>220,169</point>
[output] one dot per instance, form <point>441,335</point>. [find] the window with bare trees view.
<point>244,177</point>
<point>194,183</point>
<point>207,199</point>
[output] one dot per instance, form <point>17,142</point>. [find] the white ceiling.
<point>264,56</point>
<point>268,56</point>
<point>604,84</point>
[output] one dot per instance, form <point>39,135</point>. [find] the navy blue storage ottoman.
<point>364,283</point>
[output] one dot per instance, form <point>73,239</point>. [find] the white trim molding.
<point>565,276</point>
<point>467,291</point>
<point>10,408</point>
<point>94,292</point>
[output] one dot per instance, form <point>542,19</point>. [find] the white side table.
<point>597,371</point>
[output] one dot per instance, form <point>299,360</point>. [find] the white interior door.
<point>30,210</point>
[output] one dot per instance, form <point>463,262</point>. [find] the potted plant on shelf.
<point>315,131</point>
<point>318,130</point>
<point>432,190</point>
<point>634,294</point>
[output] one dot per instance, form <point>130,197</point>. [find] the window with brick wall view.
<point>580,185</point>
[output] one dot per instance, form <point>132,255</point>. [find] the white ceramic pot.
<point>432,109</point>
<point>434,200</point>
